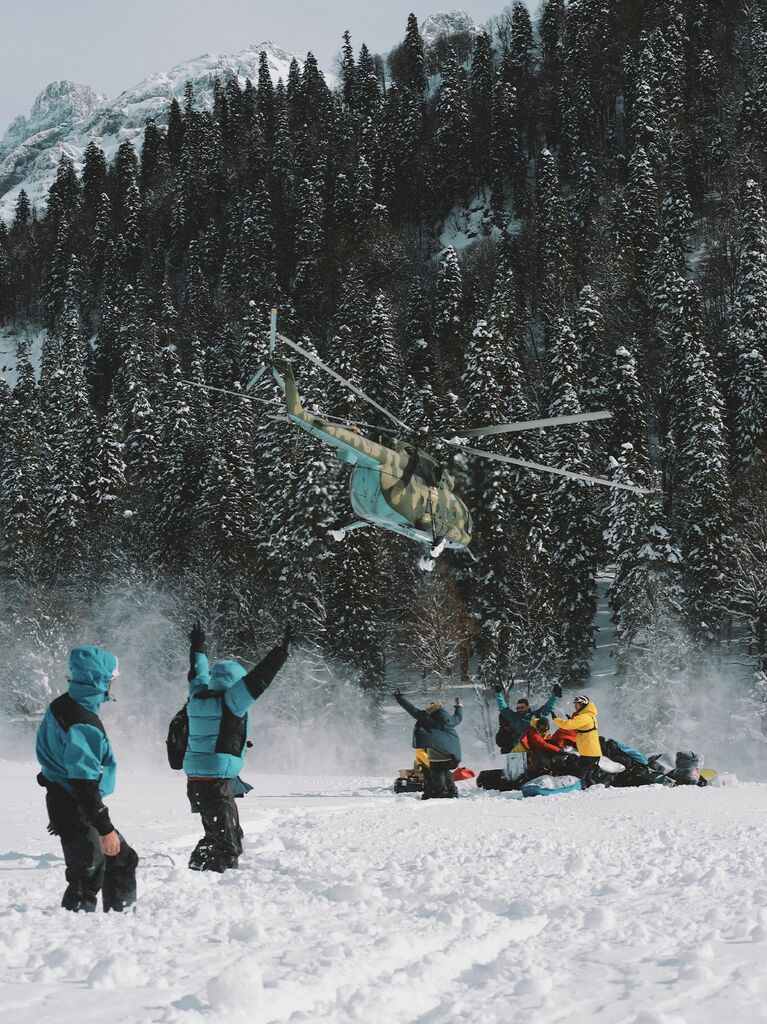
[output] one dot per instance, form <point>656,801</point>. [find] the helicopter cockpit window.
<point>429,471</point>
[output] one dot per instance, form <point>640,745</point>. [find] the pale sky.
<point>112,45</point>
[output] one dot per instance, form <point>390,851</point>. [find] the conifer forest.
<point>553,215</point>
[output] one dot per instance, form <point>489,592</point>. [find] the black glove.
<point>458,702</point>
<point>397,693</point>
<point>197,637</point>
<point>556,689</point>
<point>498,688</point>
<point>287,637</point>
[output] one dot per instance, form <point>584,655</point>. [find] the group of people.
<point>524,730</point>
<point>573,748</point>
<point>78,768</point>
<point>521,729</point>
<point>208,738</point>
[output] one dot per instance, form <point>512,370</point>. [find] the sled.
<point>410,780</point>
<point>461,774</point>
<point>550,785</point>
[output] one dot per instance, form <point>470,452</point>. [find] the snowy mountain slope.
<point>632,907</point>
<point>447,23</point>
<point>66,116</point>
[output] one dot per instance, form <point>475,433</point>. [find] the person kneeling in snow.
<point>434,730</point>
<point>218,734</point>
<point>78,770</point>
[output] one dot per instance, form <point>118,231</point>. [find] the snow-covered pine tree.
<point>105,489</point>
<point>452,138</point>
<point>410,66</point>
<point>347,347</point>
<point>553,248</point>
<point>481,84</point>
<point>505,153</point>
<point>134,394</point>
<point>449,330</point>
<point>94,176</point>
<point>181,465</point>
<point>574,526</point>
<point>749,400</point>
<point>595,391</point>
<point>643,216</point>
<point>64,487</point>
<point>382,361</point>
<point>306,286</point>
<point>701,486</point>
<point>750,310</point>
<point>23,475</point>
<point>420,401</point>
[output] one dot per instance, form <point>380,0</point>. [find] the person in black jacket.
<point>434,731</point>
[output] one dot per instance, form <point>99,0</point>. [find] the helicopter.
<point>398,486</point>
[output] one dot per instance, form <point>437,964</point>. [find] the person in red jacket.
<point>542,754</point>
<point>537,737</point>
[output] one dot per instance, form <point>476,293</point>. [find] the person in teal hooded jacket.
<point>514,724</point>
<point>217,710</point>
<point>78,769</point>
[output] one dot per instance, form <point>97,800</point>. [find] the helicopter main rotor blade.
<point>556,471</point>
<point>342,380</point>
<point>550,421</point>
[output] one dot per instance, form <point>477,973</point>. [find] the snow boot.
<point>78,897</point>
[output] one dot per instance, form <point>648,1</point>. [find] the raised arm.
<point>405,703</point>
<point>457,717</point>
<point>248,689</point>
<point>545,710</point>
<point>198,659</point>
<point>500,698</point>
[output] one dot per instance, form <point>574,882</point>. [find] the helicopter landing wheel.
<point>437,550</point>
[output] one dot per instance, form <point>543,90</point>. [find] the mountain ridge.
<point>67,115</point>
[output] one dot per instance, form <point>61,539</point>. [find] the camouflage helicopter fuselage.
<point>398,487</point>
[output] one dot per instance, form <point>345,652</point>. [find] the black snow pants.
<point>221,845</point>
<point>438,781</point>
<point>588,771</point>
<point>88,870</point>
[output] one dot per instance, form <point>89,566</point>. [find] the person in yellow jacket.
<point>584,723</point>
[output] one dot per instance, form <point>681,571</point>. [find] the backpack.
<point>178,739</point>
<point>231,737</point>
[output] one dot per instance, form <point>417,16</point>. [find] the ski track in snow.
<point>640,906</point>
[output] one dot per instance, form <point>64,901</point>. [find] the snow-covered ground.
<point>645,906</point>
<point>10,337</point>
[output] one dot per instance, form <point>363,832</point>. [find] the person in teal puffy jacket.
<point>219,699</point>
<point>514,724</point>
<point>78,770</point>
